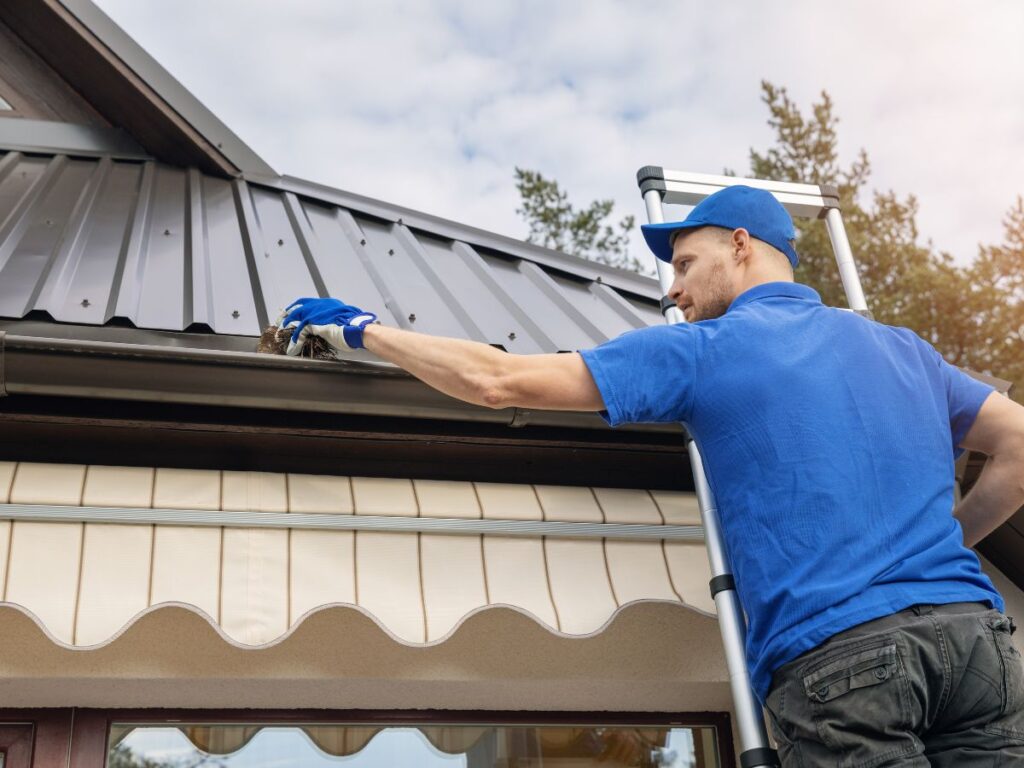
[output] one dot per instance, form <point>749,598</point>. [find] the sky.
<point>432,105</point>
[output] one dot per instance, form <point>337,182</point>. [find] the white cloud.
<point>432,105</point>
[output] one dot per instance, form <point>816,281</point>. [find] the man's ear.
<point>742,248</point>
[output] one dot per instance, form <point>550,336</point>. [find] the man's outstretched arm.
<point>483,375</point>
<point>998,432</point>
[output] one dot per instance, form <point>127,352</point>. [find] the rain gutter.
<point>89,368</point>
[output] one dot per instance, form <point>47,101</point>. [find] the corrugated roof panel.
<point>476,298</point>
<point>92,240</point>
<point>335,240</point>
<point>91,285</point>
<point>284,272</point>
<point>29,253</point>
<point>19,187</point>
<point>222,291</point>
<point>537,304</point>
<point>604,317</point>
<point>413,299</point>
<point>70,249</point>
<point>648,311</point>
<point>161,266</point>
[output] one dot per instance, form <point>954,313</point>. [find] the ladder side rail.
<point>731,622</point>
<point>845,261</point>
<point>658,187</point>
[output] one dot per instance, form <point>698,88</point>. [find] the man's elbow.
<point>495,396</point>
<point>494,390</point>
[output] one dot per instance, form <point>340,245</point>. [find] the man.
<point>829,441</point>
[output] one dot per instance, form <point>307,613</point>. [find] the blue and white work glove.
<point>339,324</point>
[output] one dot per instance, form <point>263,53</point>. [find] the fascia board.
<point>167,87</point>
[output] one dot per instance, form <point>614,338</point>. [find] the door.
<point>16,745</point>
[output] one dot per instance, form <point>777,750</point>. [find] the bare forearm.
<point>462,369</point>
<point>998,493</point>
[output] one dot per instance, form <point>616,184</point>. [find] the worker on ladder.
<point>829,440</point>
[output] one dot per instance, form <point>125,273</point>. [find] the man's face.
<point>702,263</point>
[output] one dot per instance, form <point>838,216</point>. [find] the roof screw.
<point>235,314</point>
<point>167,231</point>
<point>599,280</point>
<point>280,242</point>
<point>391,251</point>
<point>85,302</point>
<point>412,317</point>
<point>512,336</point>
<point>49,222</point>
<point>400,220</point>
<point>220,145</point>
<point>363,241</point>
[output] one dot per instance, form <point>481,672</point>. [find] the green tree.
<point>556,223</point>
<point>972,314</point>
<point>122,756</point>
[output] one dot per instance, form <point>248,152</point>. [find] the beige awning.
<point>130,615</point>
<point>143,615</point>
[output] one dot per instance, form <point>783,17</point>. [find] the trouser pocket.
<point>998,629</point>
<point>858,696</point>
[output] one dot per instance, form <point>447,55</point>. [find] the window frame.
<point>81,734</point>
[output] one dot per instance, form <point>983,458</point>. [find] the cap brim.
<point>659,236</point>
<point>792,255</point>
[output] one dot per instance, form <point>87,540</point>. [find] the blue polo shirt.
<point>828,441</point>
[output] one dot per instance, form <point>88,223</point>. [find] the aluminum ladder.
<point>659,186</point>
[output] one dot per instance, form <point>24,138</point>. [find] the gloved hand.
<point>340,325</point>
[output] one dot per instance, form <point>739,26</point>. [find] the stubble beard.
<point>716,298</point>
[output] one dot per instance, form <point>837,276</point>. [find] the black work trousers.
<point>930,685</point>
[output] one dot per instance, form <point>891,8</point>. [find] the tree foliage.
<point>122,756</point>
<point>585,232</point>
<point>974,314</point>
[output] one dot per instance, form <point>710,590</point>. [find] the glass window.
<point>422,746</point>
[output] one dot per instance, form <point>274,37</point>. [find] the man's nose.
<point>675,290</point>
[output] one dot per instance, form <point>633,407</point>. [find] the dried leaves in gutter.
<point>274,341</point>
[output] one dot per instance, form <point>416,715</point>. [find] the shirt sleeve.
<point>647,375</point>
<point>964,396</point>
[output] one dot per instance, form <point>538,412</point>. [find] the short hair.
<point>723,233</point>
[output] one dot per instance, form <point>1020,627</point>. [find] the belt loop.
<point>923,609</point>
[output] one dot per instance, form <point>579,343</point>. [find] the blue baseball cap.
<point>755,210</point>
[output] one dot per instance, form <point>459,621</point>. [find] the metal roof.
<point>102,241</point>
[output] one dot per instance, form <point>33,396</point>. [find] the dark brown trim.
<point>34,90</point>
<point>91,726</point>
<point>51,733</point>
<point>103,370</point>
<point>64,430</point>
<point>88,748</point>
<point>16,745</point>
<point>109,85</point>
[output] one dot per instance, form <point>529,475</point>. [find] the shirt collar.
<point>770,290</point>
